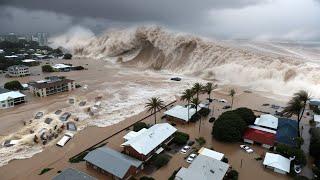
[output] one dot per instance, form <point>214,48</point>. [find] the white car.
<point>246,148</point>
<point>67,136</point>
<point>185,149</point>
<point>223,101</point>
<point>191,157</point>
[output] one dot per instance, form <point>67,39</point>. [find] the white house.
<point>267,120</point>
<point>210,153</point>
<point>277,162</point>
<point>180,113</point>
<point>10,98</point>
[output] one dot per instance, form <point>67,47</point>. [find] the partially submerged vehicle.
<point>66,137</point>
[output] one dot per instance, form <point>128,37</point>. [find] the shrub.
<point>212,119</point>
<point>229,127</point>
<point>139,125</point>
<point>47,68</point>
<point>180,138</point>
<point>246,114</point>
<point>161,160</point>
<point>204,112</point>
<point>201,141</point>
<point>195,118</point>
<point>67,56</point>
<point>224,159</point>
<point>232,175</point>
<point>146,178</point>
<point>44,170</point>
<point>13,85</point>
<point>314,148</point>
<point>299,141</point>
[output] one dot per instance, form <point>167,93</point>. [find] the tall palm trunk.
<point>188,110</point>
<point>231,103</point>
<point>300,117</point>
<point>155,116</point>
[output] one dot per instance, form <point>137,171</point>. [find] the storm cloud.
<point>258,19</point>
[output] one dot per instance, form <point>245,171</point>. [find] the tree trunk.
<point>155,116</point>
<point>300,117</point>
<point>231,102</point>
<point>188,110</point>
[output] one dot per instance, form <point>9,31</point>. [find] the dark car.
<point>65,116</point>
<point>226,107</point>
<point>175,79</point>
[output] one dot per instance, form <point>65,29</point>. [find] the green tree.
<point>13,85</point>
<point>246,114</point>
<point>187,96</point>
<point>180,138</point>
<point>231,94</point>
<point>296,106</point>
<point>196,102</point>
<point>139,125</point>
<point>209,88</point>
<point>229,127</point>
<point>154,104</point>
<point>197,89</point>
<point>47,68</point>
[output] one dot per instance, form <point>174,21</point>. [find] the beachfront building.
<point>61,67</point>
<point>204,168</point>
<point>211,153</point>
<point>267,121</point>
<point>277,163</point>
<point>112,163</point>
<point>314,103</point>
<point>316,119</point>
<point>180,113</point>
<point>259,135</point>
<point>150,142</point>
<point>10,98</point>
<point>287,132</point>
<point>18,71</point>
<point>51,85</point>
<point>73,174</point>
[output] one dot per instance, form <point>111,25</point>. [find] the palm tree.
<point>209,88</point>
<point>296,106</point>
<point>154,104</point>
<point>197,89</point>
<point>196,102</point>
<point>187,96</point>
<point>231,94</point>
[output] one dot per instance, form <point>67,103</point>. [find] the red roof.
<point>259,136</point>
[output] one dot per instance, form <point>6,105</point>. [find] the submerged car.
<point>246,148</point>
<point>67,136</point>
<point>175,79</point>
<point>39,115</point>
<point>191,157</point>
<point>185,149</point>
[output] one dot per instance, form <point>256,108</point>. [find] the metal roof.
<point>133,134</point>
<point>147,141</point>
<point>73,174</point>
<point>267,120</point>
<point>112,161</point>
<point>287,132</point>
<point>181,112</point>
<point>210,153</point>
<point>277,161</point>
<point>204,168</point>
<point>11,94</point>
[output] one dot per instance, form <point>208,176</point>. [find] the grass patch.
<point>44,170</point>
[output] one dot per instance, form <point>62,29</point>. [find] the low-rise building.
<point>211,153</point>
<point>204,168</point>
<point>180,113</point>
<point>113,163</point>
<point>150,142</point>
<point>267,121</point>
<point>259,135</point>
<point>287,132</point>
<point>18,71</point>
<point>73,174</point>
<point>277,162</point>
<point>51,85</point>
<point>10,98</point>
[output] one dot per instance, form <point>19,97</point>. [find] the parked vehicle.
<point>191,157</point>
<point>223,101</point>
<point>175,79</point>
<point>246,148</point>
<point>226,107</point>
<point>185,149</point>
<point>67,136</point>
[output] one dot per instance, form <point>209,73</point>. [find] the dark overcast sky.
<point>227,19</point>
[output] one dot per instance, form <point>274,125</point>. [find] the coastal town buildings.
<point>18,71</point>
<point>10,98</point>
<point>277,163</point>
<point>51,85</point>
<point>113,163</point>
<point>204,168</point>
<point>150,142</point>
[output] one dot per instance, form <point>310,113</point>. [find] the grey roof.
<point>112,161</point>
<point>73,174</point>
<point>204,168</point>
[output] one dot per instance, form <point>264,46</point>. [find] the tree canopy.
<point>229,127</point>
<point>246,114</point>
<point>13,85</point>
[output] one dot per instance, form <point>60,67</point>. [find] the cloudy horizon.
<point>232,19</point>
